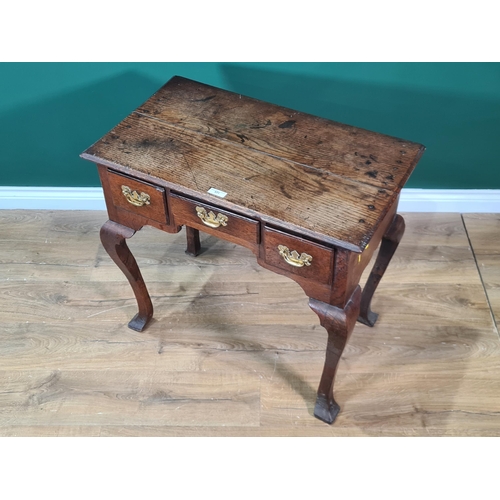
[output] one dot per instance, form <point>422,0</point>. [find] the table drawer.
<point>298,256</point>
<point>213,220</point>
<point>138,197</point>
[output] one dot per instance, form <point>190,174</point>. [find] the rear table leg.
<point>193,241</point>
<point>390,242</point>
<point>113,236</point>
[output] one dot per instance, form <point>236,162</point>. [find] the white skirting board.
<point>412,200</point>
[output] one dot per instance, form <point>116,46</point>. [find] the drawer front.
<point>138,197</point>
<point>298,256</point>
<point>213,220</point>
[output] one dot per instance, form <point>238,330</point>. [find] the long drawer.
<point>212,220</point>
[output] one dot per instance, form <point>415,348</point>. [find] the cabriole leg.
<point>339,323</point>
<point>113,236</point>
<point>390,242</point>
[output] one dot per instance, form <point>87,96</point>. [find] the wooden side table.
<point>311,198</point>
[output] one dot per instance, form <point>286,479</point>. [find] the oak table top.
<point>312,198</point>
<point>330,181</point>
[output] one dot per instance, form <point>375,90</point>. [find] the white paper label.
<point>217,192</point>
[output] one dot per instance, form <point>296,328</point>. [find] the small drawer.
<point>213,220</point>
<point>138,197</point>
<point>298,256</point>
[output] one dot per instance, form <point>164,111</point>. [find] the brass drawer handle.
<point>293,257</point>
<point>210,219</point>
<point>135,198</point>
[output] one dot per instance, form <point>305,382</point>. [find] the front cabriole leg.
<point>113,236</point>
<point>339,323</point>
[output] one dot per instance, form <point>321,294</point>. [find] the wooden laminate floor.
<point>234,350</point>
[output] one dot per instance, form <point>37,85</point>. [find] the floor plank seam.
<point>480,275</point>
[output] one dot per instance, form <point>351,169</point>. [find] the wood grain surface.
<point>320,178</point>
<point>270,188</point>
<point>361,155</point>
<point>234,349</point>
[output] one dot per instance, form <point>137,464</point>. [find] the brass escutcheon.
<point>293,258</point>
<point>210,219</point>
<point>135,198</point>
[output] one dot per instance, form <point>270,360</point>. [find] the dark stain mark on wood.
<point>372,173</point>
<point>205,99</point>
<point>282,189</point>
<point>399,161</point>
<point>242,137</point>
<point>362,221</point>
<point>371,207</point>
<point>168,144</point>
<point>355,153</point>
<point>373,157</point>
<point>390,177</point>
<point>382,191</point>
<point>368,162</point>
<point>287,124</point>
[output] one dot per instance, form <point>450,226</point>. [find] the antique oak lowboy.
<point>311,198</point>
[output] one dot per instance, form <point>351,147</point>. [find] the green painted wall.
<point>50,112</point>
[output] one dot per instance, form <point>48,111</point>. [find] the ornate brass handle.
<point>135,198</point>
<point>293,258</point>
<point>210,219</point>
